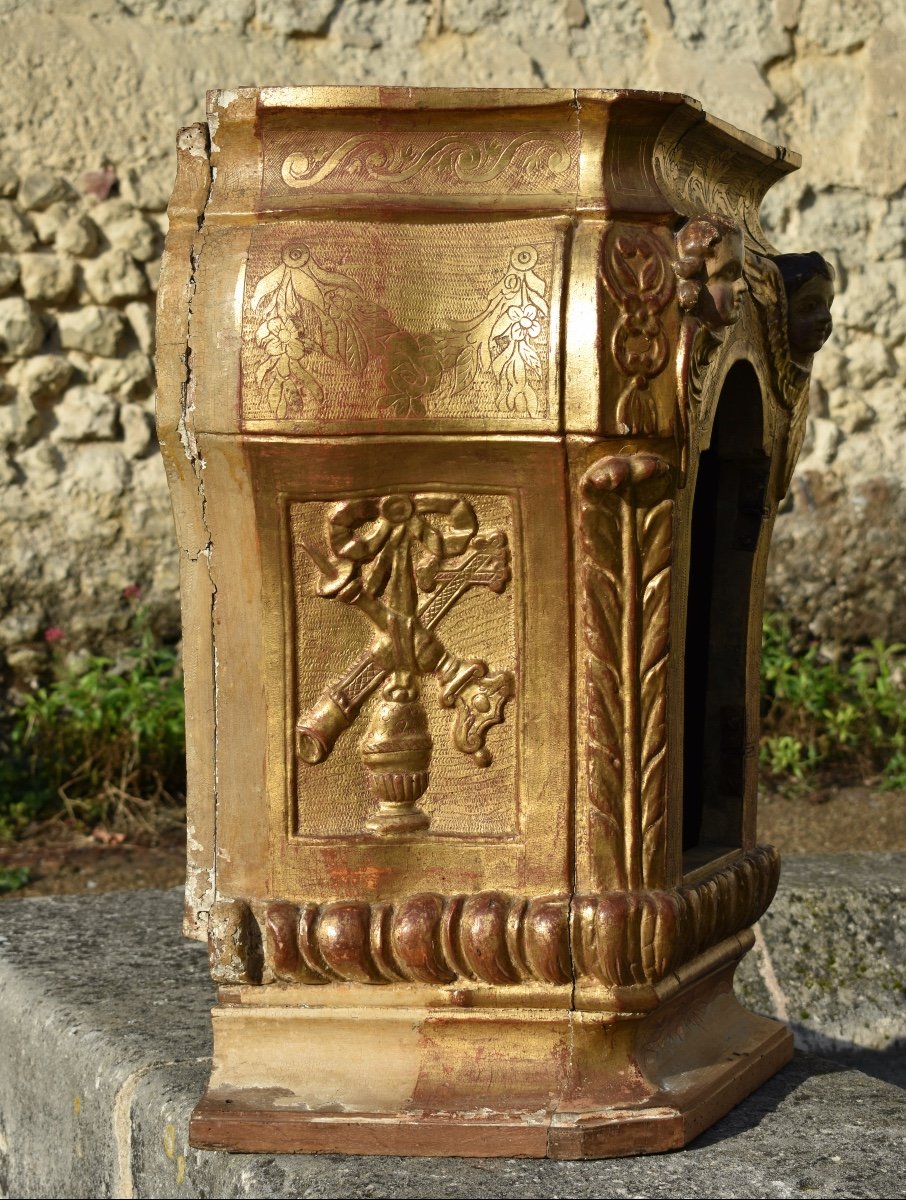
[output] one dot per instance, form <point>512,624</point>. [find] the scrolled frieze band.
<point>616,939</point>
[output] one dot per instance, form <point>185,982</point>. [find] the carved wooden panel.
<point>437,582</point>
<point>383,558</point>
<point>354,324</point>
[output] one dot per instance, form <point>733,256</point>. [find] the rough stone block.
<point>39,189</point>
<point>138,431</point>
<point>9,272</point>
<point>135,234</point>
<point>834,950</point>
<point>48,223</point>
<point>123,376</point>
<point>16,231</point>
<point>141,318</point>
<point>43,377</point>
<point>85,415</point>
<point>92,330</point>
<point>47,278</point>
<point>78,235</point>
<point>114,275</point>
<point>21,330</point>
<point>20,424</point>
<point>288,17</point>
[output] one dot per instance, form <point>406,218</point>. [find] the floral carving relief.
<point>636,273</point>
<point>307,312</point>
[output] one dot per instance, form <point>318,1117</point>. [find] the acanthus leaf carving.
<point>626,530</point>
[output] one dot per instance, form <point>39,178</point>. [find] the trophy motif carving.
<point>391,558</point>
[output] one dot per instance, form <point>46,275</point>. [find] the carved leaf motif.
<point>635,271</point>
<point>267,285</point>
<point>310,309</point>
<point>602,616</point>
<point>656,535</point>
<point>627,538</point>
<point>466,367</point>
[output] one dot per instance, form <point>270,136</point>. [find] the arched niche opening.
<point>721,699</point>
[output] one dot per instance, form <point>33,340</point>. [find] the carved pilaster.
<point>626,543</point>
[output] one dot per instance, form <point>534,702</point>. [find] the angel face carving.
<point>809,284</point>
<point>711,284</point>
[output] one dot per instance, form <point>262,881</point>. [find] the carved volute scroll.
<point>794,294</point>
<point>626,531</point>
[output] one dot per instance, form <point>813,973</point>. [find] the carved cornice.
<point>702,165</point>
<point>615,939</point>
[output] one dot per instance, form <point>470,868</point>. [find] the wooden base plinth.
<point>482,1082</point>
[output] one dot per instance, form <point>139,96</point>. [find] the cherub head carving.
<point>808,280</point>
<point>709,269</point>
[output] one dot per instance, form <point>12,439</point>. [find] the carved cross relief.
<point>404,560</point>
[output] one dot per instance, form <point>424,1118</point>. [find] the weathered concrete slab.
<point>105,1035</point>
<point>831,959</point>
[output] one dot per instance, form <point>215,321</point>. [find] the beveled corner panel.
<point>485,522</point>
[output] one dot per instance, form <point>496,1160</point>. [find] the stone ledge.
<point>105,1029</point>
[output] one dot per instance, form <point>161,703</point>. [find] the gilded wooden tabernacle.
<point>477,408</point>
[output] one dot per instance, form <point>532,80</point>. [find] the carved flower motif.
<point>283,338</point>
<point>283,345</point>
<point>524,324</point>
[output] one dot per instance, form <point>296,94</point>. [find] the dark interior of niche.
<point>720,729</point>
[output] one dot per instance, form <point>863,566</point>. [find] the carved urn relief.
<point>477,408</point>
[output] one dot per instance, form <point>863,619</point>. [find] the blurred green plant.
<point>103,742</point>
<point>823,720</point>
<point>13,878</point>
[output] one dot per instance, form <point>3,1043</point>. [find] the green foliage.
<point>842,721</point>
<point>104,741</point>
<point>13,878</point>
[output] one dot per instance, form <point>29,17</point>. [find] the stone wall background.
<point>93,93</point>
